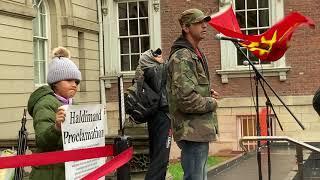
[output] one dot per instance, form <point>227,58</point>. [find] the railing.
<point>299,148</point>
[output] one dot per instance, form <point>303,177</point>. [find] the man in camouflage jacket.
<point>192,102</point>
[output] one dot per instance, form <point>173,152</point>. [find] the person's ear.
<point>185,28</point>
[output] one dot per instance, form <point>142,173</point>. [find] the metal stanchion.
<point>122,142</point>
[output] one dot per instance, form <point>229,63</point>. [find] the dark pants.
<point>159,143</point>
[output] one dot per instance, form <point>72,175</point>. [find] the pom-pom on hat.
<point>61,67</point>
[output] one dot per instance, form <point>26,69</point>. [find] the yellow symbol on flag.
<point>264,46</point>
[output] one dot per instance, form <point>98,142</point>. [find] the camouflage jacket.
<point>192,109</point>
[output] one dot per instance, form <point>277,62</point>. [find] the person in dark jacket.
<point>152,68</point>
<point>192,102</point>
<point>44,106</point>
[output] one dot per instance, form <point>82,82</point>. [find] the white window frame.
<point>46,45</point>
<point>229,67</point>
<point>111,42</point>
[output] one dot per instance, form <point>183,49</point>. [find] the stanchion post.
<point>122,143</point>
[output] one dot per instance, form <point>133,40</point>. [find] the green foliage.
<point>176,171</point>
<point>212,160</point>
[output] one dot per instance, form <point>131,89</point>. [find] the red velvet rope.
<point>39,159</point>
<point>111,165</point>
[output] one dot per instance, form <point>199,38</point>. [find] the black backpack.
<point>140,101</point>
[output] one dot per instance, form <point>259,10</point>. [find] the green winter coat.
<point>42,106</point>
<point>192,108</point>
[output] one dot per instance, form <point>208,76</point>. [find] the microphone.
<point>226,38</point>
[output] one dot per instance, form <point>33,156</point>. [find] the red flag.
<point>226,22</point>
<point>269,46</point>
<point>272,44</point>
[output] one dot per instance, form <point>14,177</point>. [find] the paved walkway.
<point>282,162</point>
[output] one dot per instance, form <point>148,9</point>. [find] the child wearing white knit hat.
<point>45,106</point>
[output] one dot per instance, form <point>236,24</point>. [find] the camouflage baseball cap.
<point>192,16</point>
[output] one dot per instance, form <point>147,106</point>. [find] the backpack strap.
<point>140,82</point>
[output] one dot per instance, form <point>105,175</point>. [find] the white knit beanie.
<point>61,67</point>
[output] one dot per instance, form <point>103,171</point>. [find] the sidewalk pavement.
<point>282,162</point>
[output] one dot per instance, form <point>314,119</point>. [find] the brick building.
<point>30,29</point>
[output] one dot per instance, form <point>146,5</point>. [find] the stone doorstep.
<point>228,163</point>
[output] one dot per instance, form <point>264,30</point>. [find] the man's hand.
<point>60,117</point>
<point>215,94</point>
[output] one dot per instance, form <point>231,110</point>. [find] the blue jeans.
<point>194,157</point>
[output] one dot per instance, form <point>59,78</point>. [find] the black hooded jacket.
<point>155,75</point>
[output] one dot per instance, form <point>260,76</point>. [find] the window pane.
<point>134,61</point>
<point>133,10</point>
<point>245,127</point>
<point>144,28</point>
<point>241,18</point>
<point>122,8</point>
<point>253,32</point>
<point>134,42</point>
<point>251,127</point>
<point>41,50</point>
<point>43,72</point>
<point>262,31</point>
<point>133,27</point>
<point>143,9</point>
<point>145,44</point>
<point>35,27</point>
<point>251,4</point>
<point>264,18</point>
<point>253,58</point>
<point>36,73</point>
<point>39,72</point>
<point>252,19</point>
<point>123,28</point>
<point>263,3</point>
<point>42,8</point>
<point>35,49</point>
<point>125,63</point>
<point>43,32</point>
<point>124,46</point>
<point>240,4</point>
<point>241,57</point>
